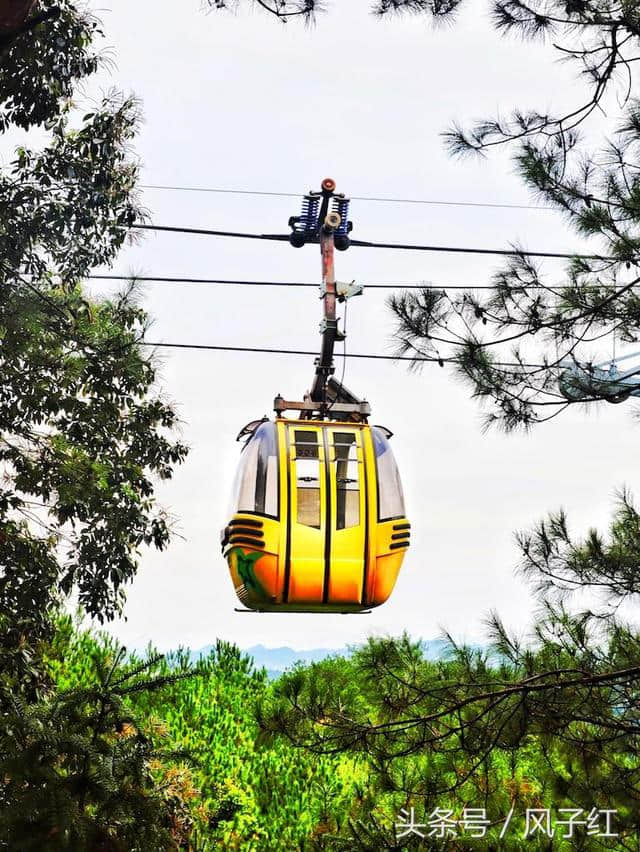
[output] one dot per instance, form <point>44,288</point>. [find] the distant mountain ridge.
<point>278,660</point>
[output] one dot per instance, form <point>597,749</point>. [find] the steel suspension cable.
<point>366,355</point>
<point>382,199</point>
<point>371,244</point>
<point>180,280</point>
<point>411,286</point>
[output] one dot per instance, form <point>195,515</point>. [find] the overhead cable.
<point>254,349</point>
<point>382,199</point>
<point>370,244</point>
<point>210,233</point>
<point>180,280</point>
<point>399,286</point>
<point>468,250</point>
<point>284,351</point>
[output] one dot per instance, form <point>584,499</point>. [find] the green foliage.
<point>329,755</point>
<point>100,751</point>
<point>39,67</point>
<point>77,765</point>
<point>251,798</point>
<point>84,437</point>
<point>513,344</point>
<point>239,793</point>
<point>83,431</point>
<point>556,563</point>
<point>553,724</point>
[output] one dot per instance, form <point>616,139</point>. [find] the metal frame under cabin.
<point>339,402</point>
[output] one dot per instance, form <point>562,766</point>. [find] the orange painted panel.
<point>305,582</point>
<point>385,576</point>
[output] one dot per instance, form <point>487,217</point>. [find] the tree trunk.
<point>14,12</point>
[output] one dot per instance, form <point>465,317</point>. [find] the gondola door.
<point>305,563</point>
<point>347,533</point>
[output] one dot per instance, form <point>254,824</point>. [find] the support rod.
<point>329,326</point>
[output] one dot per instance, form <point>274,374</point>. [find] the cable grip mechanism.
<point>325,210</point>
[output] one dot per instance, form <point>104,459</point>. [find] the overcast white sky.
<point>240,101</point>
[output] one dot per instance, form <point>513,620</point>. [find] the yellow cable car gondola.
<point>317,517</point>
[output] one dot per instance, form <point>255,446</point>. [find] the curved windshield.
<point>390,496</point>
<point>255,488</point>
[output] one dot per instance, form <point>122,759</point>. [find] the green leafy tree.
<point>44,51</point>
<point>78,766</point>
<point>551,723</point>
<point>83,431</point>
<point>84,436</point>
<point>234,792</point>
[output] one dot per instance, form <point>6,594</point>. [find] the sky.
<point>239,101</point>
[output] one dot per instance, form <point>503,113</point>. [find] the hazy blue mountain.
<point>277,660</point>
<point>284,657</point>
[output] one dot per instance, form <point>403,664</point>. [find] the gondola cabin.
<point>317,522</point>
<point>317,519</point>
